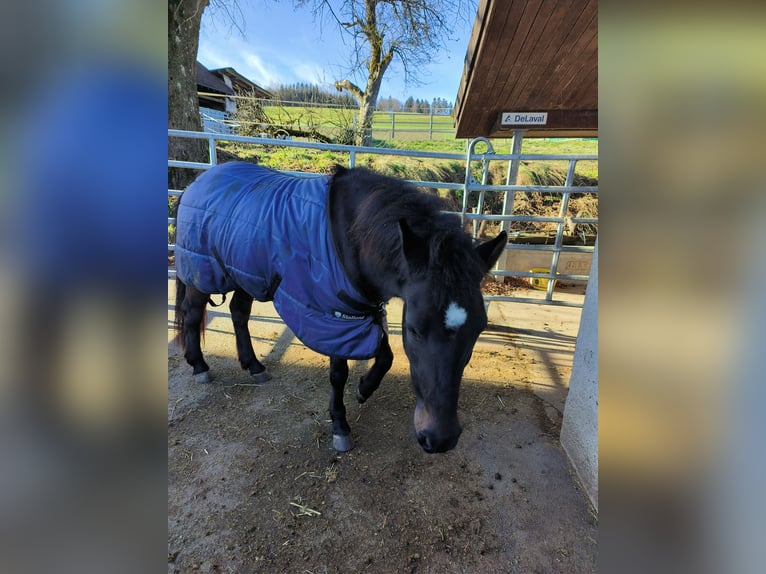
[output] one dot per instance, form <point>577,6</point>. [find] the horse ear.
<point>338,169</point>
<point>489,251</point>
<point>414,248</point>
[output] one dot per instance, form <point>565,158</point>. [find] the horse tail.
<point>178,323</point>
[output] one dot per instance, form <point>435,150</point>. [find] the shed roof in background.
<point>533,57</point>
<point>242,84</point>
<point>211,81</point>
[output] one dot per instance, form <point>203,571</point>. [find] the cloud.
<point>211,58</point>
<point>255,68</point>
<point>310,72</point>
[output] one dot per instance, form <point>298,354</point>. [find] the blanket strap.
<point>365,309</point>
<point>209,300</point>
<point>273,286</point>
<point>225,273</point>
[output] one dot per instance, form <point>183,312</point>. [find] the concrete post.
<point>579,430</point>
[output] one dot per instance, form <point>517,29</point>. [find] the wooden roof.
<point>210,82</point>
<point>243,85</point>
<point>533,56</point>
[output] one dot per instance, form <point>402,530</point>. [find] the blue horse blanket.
<point>247,226</point>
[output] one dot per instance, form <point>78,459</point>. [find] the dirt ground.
<point>255,486</point>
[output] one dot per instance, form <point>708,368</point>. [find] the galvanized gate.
<point>545,275</point>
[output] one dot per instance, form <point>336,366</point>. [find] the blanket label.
<point>342,315</point>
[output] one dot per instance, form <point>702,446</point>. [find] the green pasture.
<point>381,120</point>
<point>402,125</point>
<point>413,129</point>
<point>319,117</point>
<point>411,132</point>
<point>531,172</point>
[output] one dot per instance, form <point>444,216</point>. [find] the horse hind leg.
<point>193,315</point>
<point>240,307</point>
<point>369,383</point>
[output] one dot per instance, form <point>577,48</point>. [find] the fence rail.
<point>469,187</point>
<point>330,119</point>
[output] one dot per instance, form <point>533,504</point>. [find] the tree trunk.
<point>369,99</point>
<point>366,111</point>
<point>184,19</point>
<point>377,64</point>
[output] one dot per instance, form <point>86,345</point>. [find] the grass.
<point>329,121</point>
<point>320,161</point>
<point>533,172</point>
<point>300,117</point>
<point>450,145</point>
<point>409,126</point>
<point>411,131</point>
<point>380,120</point>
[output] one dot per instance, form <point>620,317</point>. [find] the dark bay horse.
<point>329,252</point>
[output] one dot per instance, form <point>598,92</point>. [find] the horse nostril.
<point>430,444</point>
<point>425,442</point>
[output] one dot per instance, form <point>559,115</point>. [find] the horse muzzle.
<point>431,443</point>
<point>433,433</point>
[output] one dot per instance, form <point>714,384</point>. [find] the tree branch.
<point>351,88</point>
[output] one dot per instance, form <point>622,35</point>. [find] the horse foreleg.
<point>341,431</point>
<point>371,381</point>
<point>193,309</point>
<point>240,307</point>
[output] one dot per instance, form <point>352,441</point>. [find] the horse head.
<point>444,314</point>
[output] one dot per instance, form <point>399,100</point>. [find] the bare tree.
<point>383,31</point>
<point>184,19</point>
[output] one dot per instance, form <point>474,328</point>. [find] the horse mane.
<point>442,250</point>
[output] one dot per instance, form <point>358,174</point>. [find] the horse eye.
<point>412,331</point>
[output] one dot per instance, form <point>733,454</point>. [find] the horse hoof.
<point>261,377</point>
<point>203,377</point>
<point>342,443</point>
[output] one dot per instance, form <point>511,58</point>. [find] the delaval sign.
<point>523,118</point>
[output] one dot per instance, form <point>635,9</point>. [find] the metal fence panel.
<point>469,187</point>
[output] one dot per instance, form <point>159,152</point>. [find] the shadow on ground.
<point>253,482</point>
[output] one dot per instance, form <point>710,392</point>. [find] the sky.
<point>276,44</point>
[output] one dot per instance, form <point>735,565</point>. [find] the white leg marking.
<point>454,316</point>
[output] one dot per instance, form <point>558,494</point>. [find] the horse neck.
<point>375,273</point>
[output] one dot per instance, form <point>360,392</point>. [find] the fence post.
<point>211,150</point>
<point>392,125</point>
<point>560,228</point>
<point>511,179</point>
<point>431,122</point>
<point>513,174</point>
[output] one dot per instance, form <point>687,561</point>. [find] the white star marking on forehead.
<point>454,316</point>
